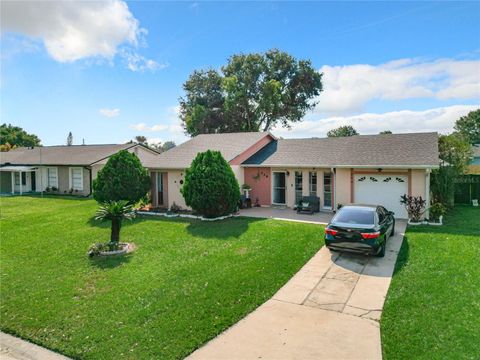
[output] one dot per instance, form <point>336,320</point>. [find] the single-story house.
<point>61,169</point>
<point>375,169</point>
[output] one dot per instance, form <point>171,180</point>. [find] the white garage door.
<point>382,190</point>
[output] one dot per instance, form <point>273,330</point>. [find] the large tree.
<point>201,109</point>
<point>454,150</point>
<point>346,130</point>
<point>14,136</point>
<point>167,145</point>
<point>469,126</point>
<point>455,153</point>
<point>252,92</point>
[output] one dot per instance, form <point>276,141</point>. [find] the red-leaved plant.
<point>415,206</point>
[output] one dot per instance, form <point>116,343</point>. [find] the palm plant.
<point>116,212</point>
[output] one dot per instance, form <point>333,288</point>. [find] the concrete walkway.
<point>13,348</point>
<point>284,213</point>
<point>329,310</point>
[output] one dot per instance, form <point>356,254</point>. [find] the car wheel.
<point>381,253</point>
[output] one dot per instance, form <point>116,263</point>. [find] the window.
<point>24,178</point>
<point>52,177</point>
<point>349,215</point>
<point>327,190</point>
<point>76,178</point>
<point>17,178</point>
<point>298,186</point>
<point>313,183</point>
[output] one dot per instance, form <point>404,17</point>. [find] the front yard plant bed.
<point>186,282</point>
<point>184,215</point>
<point>432,309</point>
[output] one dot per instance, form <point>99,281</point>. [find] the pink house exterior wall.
<point>261,187</point>
<point>251,150</point>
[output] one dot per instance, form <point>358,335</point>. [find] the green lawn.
<point>432,309</point>
<point>186,282</point>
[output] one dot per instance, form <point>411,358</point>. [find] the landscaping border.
<point>188,216</point>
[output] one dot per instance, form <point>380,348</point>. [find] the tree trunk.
<point>115,235</point>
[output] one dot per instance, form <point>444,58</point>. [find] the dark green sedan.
<point>361,229</point>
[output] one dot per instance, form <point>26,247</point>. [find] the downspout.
<point>334,183</point>
<point>91,181</point>
<point>427,191</point>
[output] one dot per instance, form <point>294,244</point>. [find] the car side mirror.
<point>391,213</point>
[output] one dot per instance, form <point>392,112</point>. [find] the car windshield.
<point>355,216</point>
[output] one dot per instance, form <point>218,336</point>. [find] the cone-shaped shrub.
<point>122,178</point>
<point>210,187</point>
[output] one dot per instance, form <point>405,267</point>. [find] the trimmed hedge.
<point>122,178</point>
<point>210,187</point>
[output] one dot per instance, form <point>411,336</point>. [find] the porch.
<point>284,213</point>
<point>18,179</point>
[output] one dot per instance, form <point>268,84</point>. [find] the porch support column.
<point>13,181</point>
<point>156,188</point>
<point>20,176</point>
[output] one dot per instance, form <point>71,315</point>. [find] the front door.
<point>279,188</point>
<point>34,181</point>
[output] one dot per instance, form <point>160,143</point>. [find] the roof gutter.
<point>307,166</point>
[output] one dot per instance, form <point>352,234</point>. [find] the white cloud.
<point>171,130</point>
<point>440,119</point>
<point>348,88</point>
<point>136,62</point>
<point>155,140</point>
<point>74,30</point>
<point>144,127</point>
<point>110,113</point>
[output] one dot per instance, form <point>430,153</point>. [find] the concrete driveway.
<point>329,310</point>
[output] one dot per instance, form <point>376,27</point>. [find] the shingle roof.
<point>230,145</point>
<point>412,150</point>
<point>61,155</point>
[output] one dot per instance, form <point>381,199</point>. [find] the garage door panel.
<point>384,190</point>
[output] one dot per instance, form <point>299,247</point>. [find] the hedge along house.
<point>65,169</point>
<point>370,169</point>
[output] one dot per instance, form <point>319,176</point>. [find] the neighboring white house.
<point>65,169</point>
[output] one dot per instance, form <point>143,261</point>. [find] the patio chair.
<point>308,204</point>
<point>475,202</point>
<point>245,202</point>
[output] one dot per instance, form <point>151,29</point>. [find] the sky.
<point>109,71</point>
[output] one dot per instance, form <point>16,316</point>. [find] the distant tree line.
<point>159,147</point>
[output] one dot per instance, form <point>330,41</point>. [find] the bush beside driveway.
<point>186,282</point>
<point>432,309</point>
